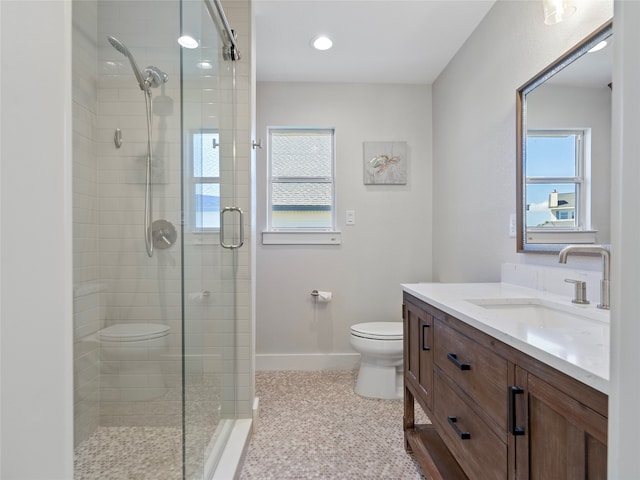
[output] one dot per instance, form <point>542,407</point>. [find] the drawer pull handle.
<point>460,433</point>
<point>424,342</point>
<point>454,358</point>
<point>513,391</point>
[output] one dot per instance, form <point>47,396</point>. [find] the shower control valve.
<point>164,234</point>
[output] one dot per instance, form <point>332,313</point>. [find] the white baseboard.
<point>308,362</point>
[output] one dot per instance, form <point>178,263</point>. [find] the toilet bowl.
<point>380,348</point>
<point>131,354</point>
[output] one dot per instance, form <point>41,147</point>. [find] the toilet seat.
<point>133,332</point>
<point>378,330</point>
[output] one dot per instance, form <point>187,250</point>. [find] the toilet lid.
<point>133,332</point>
<point>378,330</point>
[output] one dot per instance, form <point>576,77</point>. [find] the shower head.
<point>119,46</point>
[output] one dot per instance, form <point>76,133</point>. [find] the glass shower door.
<point>212,240</point>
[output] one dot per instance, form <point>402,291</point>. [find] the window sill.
<point>301,238</point>
<point>536,236</point>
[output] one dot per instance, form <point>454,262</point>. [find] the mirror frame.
<point>521,138</point>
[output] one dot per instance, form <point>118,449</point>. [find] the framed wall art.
<point>385,163</point>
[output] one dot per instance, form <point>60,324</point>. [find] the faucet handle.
<point>581,291</point>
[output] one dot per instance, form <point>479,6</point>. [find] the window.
<point>205,180</point>
<point>301,188</point>
<point>556,187</point>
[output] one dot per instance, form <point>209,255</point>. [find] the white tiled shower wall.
<point>139,289</point>
<point>115,280</point>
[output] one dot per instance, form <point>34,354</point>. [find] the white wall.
<point>624,416</point>
<point>36,277</point>
<point>474,127</point>
<point>390,242</point>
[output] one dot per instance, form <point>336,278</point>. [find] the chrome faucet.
<point>606,267</point>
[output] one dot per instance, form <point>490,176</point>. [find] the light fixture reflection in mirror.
<point>555,11</point>
<point>570,98</point>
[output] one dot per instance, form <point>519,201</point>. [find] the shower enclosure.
<point>162,303</point>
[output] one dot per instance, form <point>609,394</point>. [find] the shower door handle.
<point>223,212</point>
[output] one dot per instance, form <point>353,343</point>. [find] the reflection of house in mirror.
<point>563,208</point>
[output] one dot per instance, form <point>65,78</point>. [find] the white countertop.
<point>582,353</point>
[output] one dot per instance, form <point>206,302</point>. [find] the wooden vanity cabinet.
<point>418,354</point>
<point>496,412</point>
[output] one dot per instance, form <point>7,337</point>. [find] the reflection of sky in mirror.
<point>551,156</point>
<point>547,156</point>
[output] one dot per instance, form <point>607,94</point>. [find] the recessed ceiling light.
<point>599,46</point>
<point>188,41</point>
<point>322,43</point>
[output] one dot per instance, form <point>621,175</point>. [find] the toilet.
<point>132,354</point>
<point>381,352</point>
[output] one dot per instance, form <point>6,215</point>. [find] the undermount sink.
<point>540,313</point>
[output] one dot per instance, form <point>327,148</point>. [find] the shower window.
<point>205,195</point>
<point>302,180</point>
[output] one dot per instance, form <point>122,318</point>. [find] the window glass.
<point>551,156</point>
<point>551,205</point>
<point>301,193</point>
<point>206,180</point>
<point>301,154</point>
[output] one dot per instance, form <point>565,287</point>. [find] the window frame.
<point>300,235</point>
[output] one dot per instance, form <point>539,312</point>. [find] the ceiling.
<point>374,41</point>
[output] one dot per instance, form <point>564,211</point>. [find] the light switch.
<point>350,217</point>
<point>512,225</point>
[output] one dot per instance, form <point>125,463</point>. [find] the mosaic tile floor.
<point>313,426</point>
<point>139,453</point>
<point>130,453</point>
<point>122,450</point>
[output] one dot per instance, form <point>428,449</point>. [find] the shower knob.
<point>163,233</point>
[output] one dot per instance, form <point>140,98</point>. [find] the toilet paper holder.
<point>321,297</point>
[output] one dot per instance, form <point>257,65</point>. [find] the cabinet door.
<point>419,355</point>
<point>563,438</point>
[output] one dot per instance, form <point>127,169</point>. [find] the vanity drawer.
<point>482,455</point>
<point>480,373</point>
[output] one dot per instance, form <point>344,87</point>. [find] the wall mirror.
<point>564,149</point>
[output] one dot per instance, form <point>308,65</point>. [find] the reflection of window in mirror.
<point>557,183</point>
